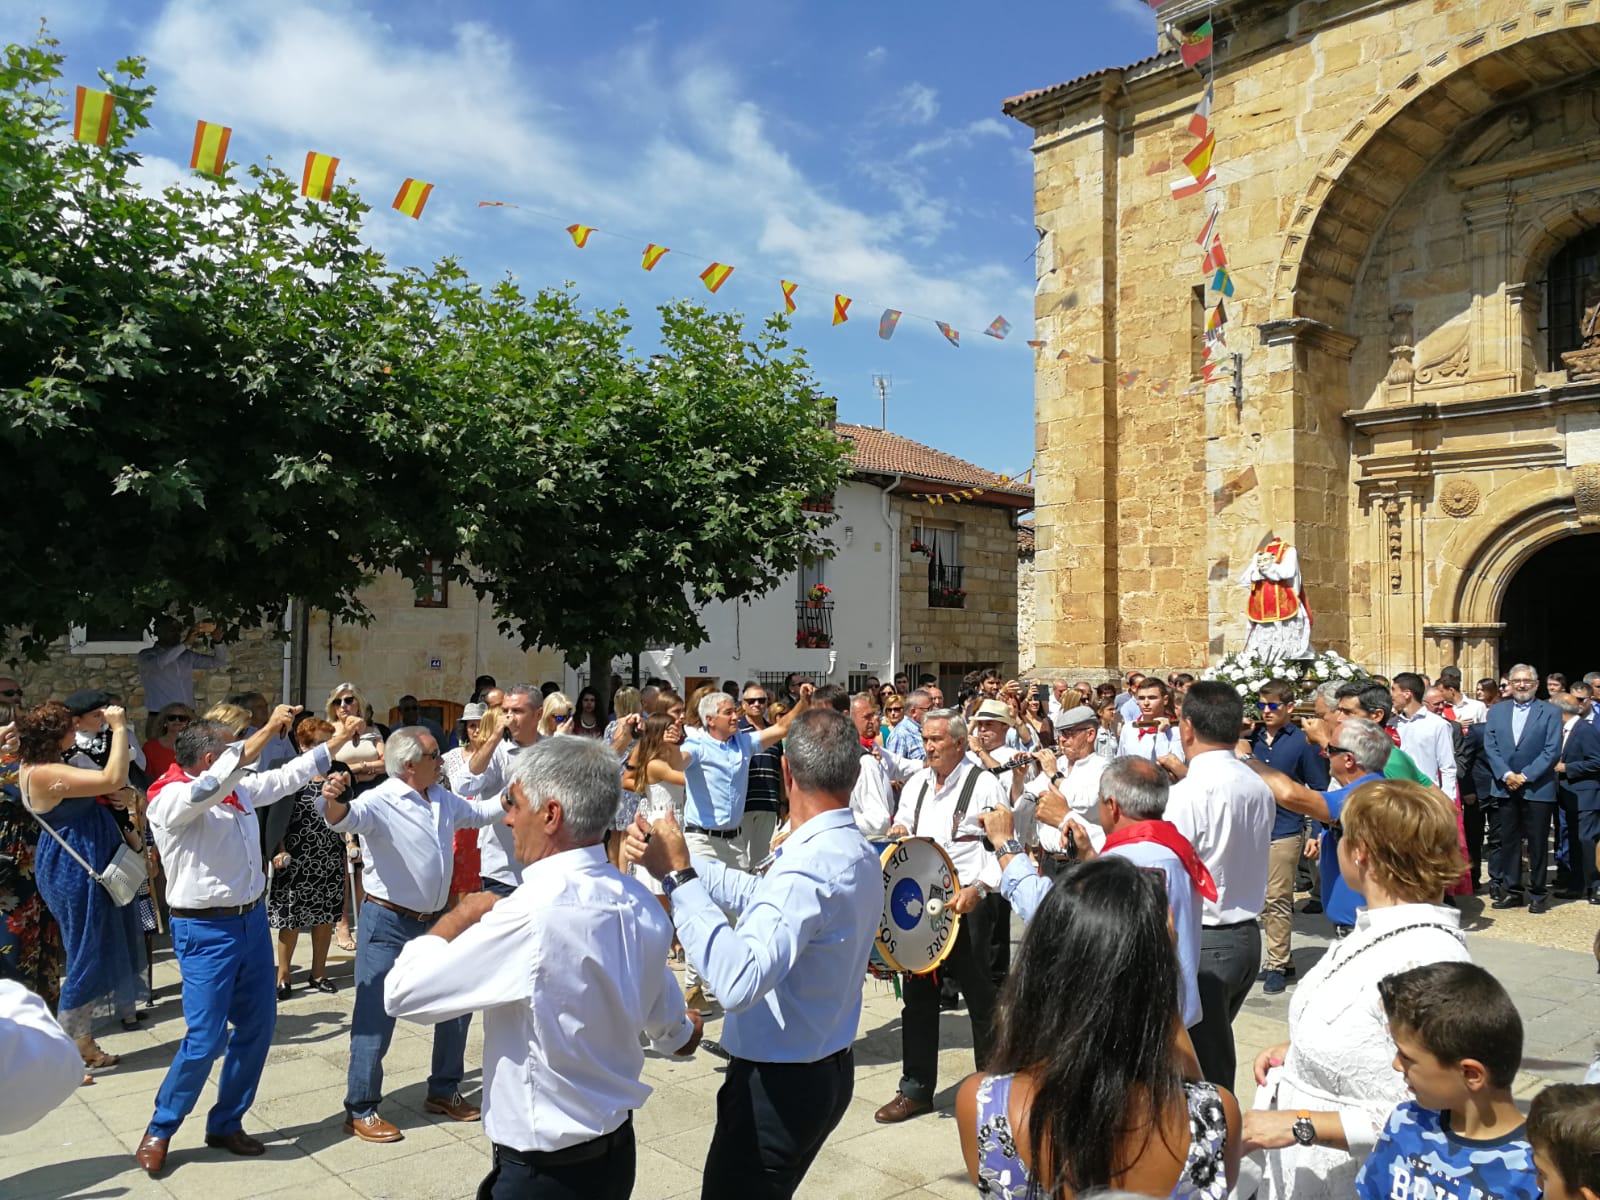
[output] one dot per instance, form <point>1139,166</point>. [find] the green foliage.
<point>220,397</point>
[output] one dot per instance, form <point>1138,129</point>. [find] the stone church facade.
<point>1409,196</point>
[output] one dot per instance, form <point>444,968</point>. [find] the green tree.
<point>219,397</point>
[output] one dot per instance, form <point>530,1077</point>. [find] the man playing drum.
<point>943,802</point>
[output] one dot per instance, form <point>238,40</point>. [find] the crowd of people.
<point>553,864</point>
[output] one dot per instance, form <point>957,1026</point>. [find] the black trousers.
<point>999,938</point>
<point>1230,956</point>
<point>521,1175</point>
<point>1521,820</point>
<point>969,966</point>
<point>1588,838</point>
<point>772,1118</point>
<point>1482,834</point>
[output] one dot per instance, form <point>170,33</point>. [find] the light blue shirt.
<point>1026,889</point>
<point>905,739</point>
<point>717,778</point>
<point>789,976</point>
<point>1519,718</point>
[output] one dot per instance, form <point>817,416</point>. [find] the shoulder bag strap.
<point>50,829</point>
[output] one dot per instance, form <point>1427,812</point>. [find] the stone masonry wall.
<point>985,630</point>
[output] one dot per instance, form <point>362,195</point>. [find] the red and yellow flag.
<point>210,148</point>
<point>580,234</point>
<point>841,309</point>
<point>788,294</point>
<point>715,276</point>
<point>411,197</point>
<point>91,116</point>
<point>652,255</point>
<point>1198,160</point>
<point>317,181</point>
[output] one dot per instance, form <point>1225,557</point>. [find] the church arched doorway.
<point>1548,607</point>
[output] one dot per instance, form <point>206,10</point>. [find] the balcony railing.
<point>813,624</point>
<point>944,587</point>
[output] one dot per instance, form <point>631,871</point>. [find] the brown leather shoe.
<point>453,1107</point>
<point>901,1108</point>
<point>238,1142</point>
<point>372,1128</point>
<point>152,1153</point>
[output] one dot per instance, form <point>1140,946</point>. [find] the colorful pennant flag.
<point>841,309</point>
<point>91,116</point>
<point>887,322</point>
<point>788,294</point>
<point>1037,345</point>
<point>580,234</point>
<point>1128,378</point>
<point>998,328</point>
<point>953,336</point>
<point>1196,47</point>
<point>210,148</point>
<point>1198,160</point>
<point>317,180</point>
<point>652,255</point>
<point>1216,257</point>
<point>1182,189</point>
<point>715,276</point>
<point>1210,227</point>
<point>1200,123</point>
<point>1222,281</point>
<point>412,197</point>
<point>1217,319</point>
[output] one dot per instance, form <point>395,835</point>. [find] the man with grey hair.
<point>568,971</point>
<point>790,974</point>
<point>407,826</point>
<point>1133,801</point>
<point>513,727</point>
<point>1522,741</point>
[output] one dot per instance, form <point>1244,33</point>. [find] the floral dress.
<point>310,890</point>
<point>30,940</point>
<point>1001,1172</point>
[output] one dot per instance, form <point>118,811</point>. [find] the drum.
<point>918,927</point>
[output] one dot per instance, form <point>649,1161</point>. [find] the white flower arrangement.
<point>1247,673</point>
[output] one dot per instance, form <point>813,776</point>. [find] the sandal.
<point>342,938</point>
<point>99,1058</point>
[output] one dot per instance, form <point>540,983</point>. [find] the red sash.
<point>1166,834</point>
<point>176,774</point>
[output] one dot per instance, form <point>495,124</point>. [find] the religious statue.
<point>1584,362</point>
<point>1280,619</point>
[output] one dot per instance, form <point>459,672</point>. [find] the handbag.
<point>122,875</point>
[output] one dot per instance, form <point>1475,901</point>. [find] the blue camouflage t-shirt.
<point>1418,1158</point>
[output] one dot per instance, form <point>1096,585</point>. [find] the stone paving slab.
<point>84,1150</point>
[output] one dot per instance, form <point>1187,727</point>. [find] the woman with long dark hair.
<point>1087,1085</point>
<point>587,719</point>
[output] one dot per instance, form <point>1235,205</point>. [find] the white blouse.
<point>1340,1056</point>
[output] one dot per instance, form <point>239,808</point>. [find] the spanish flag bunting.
<point>887,322</point>
<point>1198,160</point>
<point>210,148</point>
<point>788,294</point>
<point>411,197</point>
<point>652,255</point>
<point>953,336</point>
<point>317,181</point>
<point>841,309</point>
<point>91,116</point>
<point>1196,47</point>
<point>715,276</point>
<point>1210,228</point>
<point>580,234</point>
<point>998,328</point>
<point>1200,123</point>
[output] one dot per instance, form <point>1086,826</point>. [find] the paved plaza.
<point>84,1150</point>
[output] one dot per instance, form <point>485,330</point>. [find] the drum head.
<point>910,938</point>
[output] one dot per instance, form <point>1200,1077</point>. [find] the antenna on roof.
<point>883,383</point>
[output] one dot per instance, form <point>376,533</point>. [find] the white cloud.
<point>877,54</point>
<point>1138,10</point>
<point>919,103</point>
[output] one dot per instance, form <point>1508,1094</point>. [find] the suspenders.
<point>968,786</point>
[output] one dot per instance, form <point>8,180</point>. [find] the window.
<point>1572,270</point>
<point>944,566</point>
<point>437,592</point>
<point>129,638</point>
<point>943,544</point>
<point>812,575</point>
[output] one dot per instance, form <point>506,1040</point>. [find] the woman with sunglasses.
<point>894,708</point>
<point>161,734</point>
<point>556,715</point>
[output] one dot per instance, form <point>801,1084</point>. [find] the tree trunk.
<point>600,680</point>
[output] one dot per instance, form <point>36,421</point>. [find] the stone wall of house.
<point>984,629</point>
<point>1027,655</point>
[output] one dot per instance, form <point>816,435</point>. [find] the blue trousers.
<point>380,937</point>
<point>229,978</point>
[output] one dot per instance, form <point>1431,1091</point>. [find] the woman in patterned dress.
<point>1107,1085</point>
<point>307,886</point>
<point>30,940</point>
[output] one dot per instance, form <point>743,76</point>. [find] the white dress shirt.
<point>1471,712</point>
<point>1080,786</point>
<point>1226,811</point>
<point>872,800</point>
<point>972,862</point>
<point>38,1061</point>
<point>408,839</point>
<point>567,971</point>
<point>1134,742</point>
<point>497,856</point>
<point>206,829</point>
<point>1426,737</point>
<point>167,673</point>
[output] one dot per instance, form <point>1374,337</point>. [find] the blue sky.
<point>852,148</point>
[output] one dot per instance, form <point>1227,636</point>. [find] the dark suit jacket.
<point>1582,758</point>
<point>1534,756</point>
<point>1474,776</point>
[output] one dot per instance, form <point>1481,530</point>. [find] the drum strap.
<point>968,786</point>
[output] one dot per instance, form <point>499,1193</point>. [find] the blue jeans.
<point>380,938</point>
<point>229,977</point>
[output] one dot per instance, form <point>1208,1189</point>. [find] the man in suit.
<point>1578,794</point>
<point>1523,742</point>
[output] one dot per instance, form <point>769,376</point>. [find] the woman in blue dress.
<point>104,942</point>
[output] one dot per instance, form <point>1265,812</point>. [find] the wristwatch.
<point>677,879</point>
<point>1304,1131</point>
<point>1057,777</point>
<point>1009,846</point>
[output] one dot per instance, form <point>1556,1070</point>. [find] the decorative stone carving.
<point>1402,353</point>
<point>1451,360</point>
<point>1584,362</point>
<point>1586,493</point>
<point>1396,538</point>
<point>1459,498</point>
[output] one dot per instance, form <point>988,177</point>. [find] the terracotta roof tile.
<point>1025,538</point>
<point>879,452</point>
<point>1009,106</point>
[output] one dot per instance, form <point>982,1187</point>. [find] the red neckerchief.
<point>1166,834</point>
<point>1150,730</point>
<point>176,774</point>
<point>1394,734</point>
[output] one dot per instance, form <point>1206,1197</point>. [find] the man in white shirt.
<point>872,800</point>
<point>1226,811</point>
<point>489,770</point>
<point>1150,733</point>
<point>943,801</point>
<point>568,971</point>
<point>167,668</point>
<point>1424,735</point>
<point>1073,770</point>
<point>407,826</point>
<point>1468,711</point>
<point>202,813</point>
